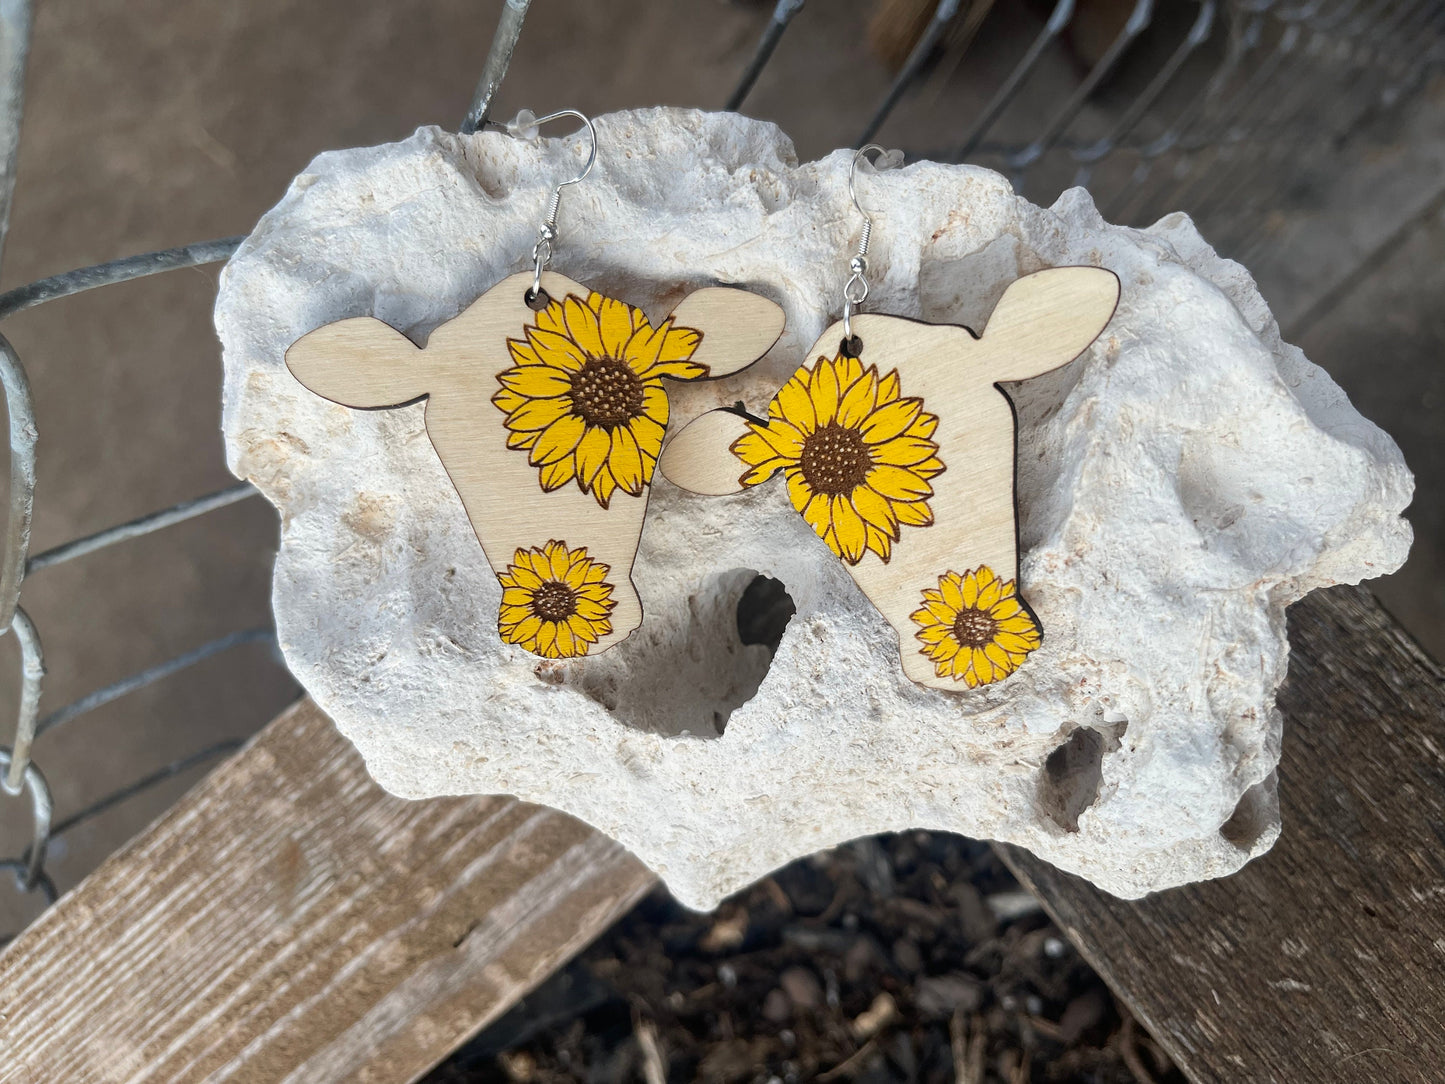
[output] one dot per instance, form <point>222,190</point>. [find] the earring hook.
<point>525,127</point>
<point>855,290</point>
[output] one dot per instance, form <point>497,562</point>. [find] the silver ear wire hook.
<point>855,290</point>
<point>524,127</point>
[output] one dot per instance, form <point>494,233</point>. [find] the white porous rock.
<point>1179,485</point>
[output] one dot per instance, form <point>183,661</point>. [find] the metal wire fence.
<point>1244,100</point>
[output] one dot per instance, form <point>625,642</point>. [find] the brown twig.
<point>653,1070</point>
<point>853,1061</point>
<point>1130,1053</point>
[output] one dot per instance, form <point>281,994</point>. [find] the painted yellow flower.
<point>585,397</point>
<point>857,455</point>
<point>555,601</point>
<point>975,628</point>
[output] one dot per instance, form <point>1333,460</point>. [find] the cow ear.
<point>700,458</point>
<point>737,327</point>
<point>1049,318</point>
<point>360,363</point>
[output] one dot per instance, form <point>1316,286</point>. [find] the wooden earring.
<point>546,404</point>
<point>897,445</point>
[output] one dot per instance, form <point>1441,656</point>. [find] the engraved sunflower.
<point>556,601</point>
<point>974,627</point>
<point>857,455</point>
<point>585,397</point>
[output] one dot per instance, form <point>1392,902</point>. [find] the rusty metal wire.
<point>1252,94</point>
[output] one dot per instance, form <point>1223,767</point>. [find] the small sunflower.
<point>857,456</point>
<point>975,628</point>
<point>585,397</point>
<point>555,601</point>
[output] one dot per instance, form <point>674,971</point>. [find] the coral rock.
<point>1179,485</point>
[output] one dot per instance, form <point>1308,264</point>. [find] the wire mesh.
<point>1241,100</point>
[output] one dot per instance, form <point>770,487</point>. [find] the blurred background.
<point>1305,136</point>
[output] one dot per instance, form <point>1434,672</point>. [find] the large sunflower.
<point>585,398</point>
<point>974,627</point>
<point>555,601</point>
<point>857,456</point>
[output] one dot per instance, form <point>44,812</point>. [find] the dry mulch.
<point>913,957</point>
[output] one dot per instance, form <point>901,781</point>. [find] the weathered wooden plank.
<point>1325,959</point>
<point>289,921</point>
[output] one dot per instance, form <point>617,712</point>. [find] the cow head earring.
<point>546,404</point>
<point>897,447</point>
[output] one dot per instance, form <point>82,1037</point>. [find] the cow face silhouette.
<point>899,452</point>
<point>549,419</point>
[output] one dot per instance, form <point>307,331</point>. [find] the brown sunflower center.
<point>554,601</point>
<point>835,460</point>
<point>606,393</point>
<point>974,628</point>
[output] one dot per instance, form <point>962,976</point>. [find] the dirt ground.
<point>912,957</point>
<point>156,123</point>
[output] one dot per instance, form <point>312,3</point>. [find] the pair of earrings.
<point>546,404</point>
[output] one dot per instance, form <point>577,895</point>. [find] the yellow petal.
<point>557,440</point>
<point>818,514</point>
<point>550,318</point>
<point>824,392</point>
<point>643,348</point>
<point>513,615</point>
<point>879,541</point>
<point>582,327</point>
<point>999,657</point>
<point>678,343</point>
<point>751,448</point>
<point>507,401</point>
<point>988,594</point>
<point>888,388</point>
<point>525,633</point>
<point>614,322</point>
<point>800,493</point>
<point>566,642</point>
<point>1014,643</point>
<point>547,640</point>
<point>858,401</point>
<point>654,405</point>
<point>852,538</point>
<point>516,596</point>
<point>603,487</point>
<point>952,595</point>
<point>536,381</point>
<point>522,352</point>
<point>592,452</point>
<point>890,421</point>
<point>899,483</point>
<point>556,349</point>
<point>761,472</point>
<point>795,406</point>
<point>558,473</point>
<point>524,577</point>
<point>625,461</point>
<point>648,435</point>
<point>875,509</point>
<point>538,414</point>
<point>982,667</point>
<point>903,451</point>
<point>913,513</point>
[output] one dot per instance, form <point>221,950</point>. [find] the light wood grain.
<point>1324,960</point>
<point>289,921</point>
<point>363,363</point>
<point>692,460</point>
<point>1043,321</point>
